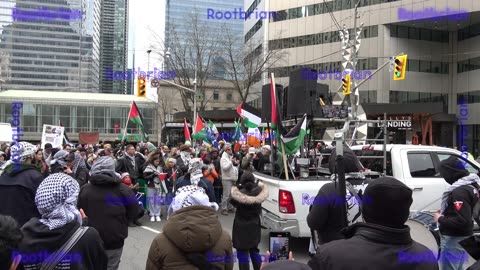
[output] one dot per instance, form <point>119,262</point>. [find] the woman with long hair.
<point>157,189</point>
<point>247,197</point>
<point>40,163</point>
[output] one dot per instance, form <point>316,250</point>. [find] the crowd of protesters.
<point>55,203</point>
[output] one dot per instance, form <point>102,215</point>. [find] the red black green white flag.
<point>199,131</point>
<point>135,117</point>
<point>251,116</point>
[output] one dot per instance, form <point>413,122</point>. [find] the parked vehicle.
<point>286,208</point>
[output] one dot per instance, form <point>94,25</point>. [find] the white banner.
<point>5,132</point>
<point>52,134</point>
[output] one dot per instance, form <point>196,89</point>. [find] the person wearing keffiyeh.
<point>183,161</point>
<point>56,200</point>
<point>455,217</point>
<point>192,237</point>
<point>128,164</point>
<point>194,176</point>
<point>70,163</point>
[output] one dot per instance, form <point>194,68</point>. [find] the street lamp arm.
<point>179,86</point>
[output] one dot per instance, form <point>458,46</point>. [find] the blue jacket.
<point>204,183</point>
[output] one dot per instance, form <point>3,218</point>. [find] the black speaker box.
<point>304,94</point>
<point>267,103</point>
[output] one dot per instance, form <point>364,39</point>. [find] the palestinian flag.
<point>294,138</point>
<point>135,117</point>
<point>186,131</point>
<point>213,127</point>
<point>276,119</point>
<point>251,116</point>
<point>199,131</point>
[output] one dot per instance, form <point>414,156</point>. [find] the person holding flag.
<point>157,189</point>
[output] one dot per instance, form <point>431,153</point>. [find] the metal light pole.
<point>148,63</point>
<point>195,97</point>
<point>166,56</point>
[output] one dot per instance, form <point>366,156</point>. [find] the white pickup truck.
<point>285,209</point>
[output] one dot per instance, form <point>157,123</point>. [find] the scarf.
<point>131,159</point>
<point>189,196</point>
<point>195,170</point>
<point>104,164</point>
<point>464,181</point>
<point>185,156</point>
<point>56,200</point>
<point>78,163</point>
<point>159,184</point>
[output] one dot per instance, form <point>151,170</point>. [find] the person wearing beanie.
<point>383,241</point>
<point>18,184</point>
<point>229,170</point>
<point>247,160</point>
<point>194,176</point>
<point>247,197</point>
<point>192,237</point>
<point>109,205</point>
<point>455,217</point>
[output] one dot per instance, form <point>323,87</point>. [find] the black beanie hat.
<point>452,169</point>
<point>389,202</point>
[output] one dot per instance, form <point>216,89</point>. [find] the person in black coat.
<point>381,242</point>
<point>109,205</point>
<point>183,160</point>
<point>128,164</point>
<point>70,163</point>
<point>56,200</point>
<point>247,197</point>
<point>18,184</point>
<point>455,217</point>
<point>194,176</point>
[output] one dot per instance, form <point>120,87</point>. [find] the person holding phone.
<point>246,234</point>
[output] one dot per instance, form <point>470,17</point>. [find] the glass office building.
<point>180,12</point>
<point>114,40</point>
<point>50,45</point>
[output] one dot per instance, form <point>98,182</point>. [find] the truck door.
<point>423,178</point>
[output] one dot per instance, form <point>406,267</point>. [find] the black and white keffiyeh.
<point>195,170</point>
<point>56,200</point>
<point>189,196</point>
<point>464,181</point>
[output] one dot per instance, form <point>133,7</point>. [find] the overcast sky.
<point>145,16</point>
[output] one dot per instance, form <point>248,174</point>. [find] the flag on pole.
<point>276,119</point>
<point>186,131</point>
<point>237,132</point>
<point>199,131</point>
<point>294,138</point>
<point>251,116</point>
<point>135,117</point>
<point>213,127</point>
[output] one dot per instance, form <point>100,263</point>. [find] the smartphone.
<point>279,245</point>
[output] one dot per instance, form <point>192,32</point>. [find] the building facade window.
<point>417,97</point>
<point>469,97</point>
<point>216,95</point>
<point>400,31</point>
<point>229,97</point>
<point>469,32</point>
<point>468,65</point>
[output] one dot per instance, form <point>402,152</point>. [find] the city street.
<point>137,244</point>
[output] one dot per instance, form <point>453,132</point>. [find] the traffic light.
<point>141,86</point>
<point>346,84</point>
<point>400,67</point>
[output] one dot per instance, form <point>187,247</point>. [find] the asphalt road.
<point>137,244</point>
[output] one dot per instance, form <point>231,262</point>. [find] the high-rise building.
<point>114,44</point>
<point>50,46</point>
<point>440,38</point>
<point>180,12</point>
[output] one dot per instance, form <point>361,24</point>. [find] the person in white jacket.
<point>228,165</point>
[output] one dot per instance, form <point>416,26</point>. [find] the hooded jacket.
<point>109,205</point>
<point>229,172</point>
<point>87,253</point>
<point>246,231</point>
<point>373,247</point>
<point>18,186</point>
<point>194,229</point>
<point>459,200</point>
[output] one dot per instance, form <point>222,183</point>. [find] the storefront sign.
<point>400,123</point>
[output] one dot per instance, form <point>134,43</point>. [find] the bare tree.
<point>245,63</point>
<point>192,47</point>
